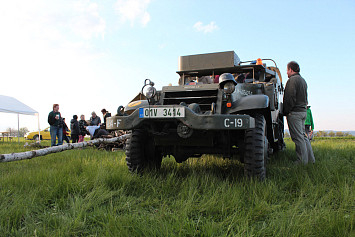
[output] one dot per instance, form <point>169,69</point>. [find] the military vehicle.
<point>221,106</point>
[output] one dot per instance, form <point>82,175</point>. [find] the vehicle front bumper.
<point>191,119</point>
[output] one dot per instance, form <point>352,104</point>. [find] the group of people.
<point>78,129</point>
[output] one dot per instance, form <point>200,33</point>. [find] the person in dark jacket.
<point>100,133</point>
<point>295,109</point>
<point>74,127</point>
<point>65,131</point>
<point>106,115</point>
<point>94,120</point>
<point>54,120</point>
<point>82,128</point>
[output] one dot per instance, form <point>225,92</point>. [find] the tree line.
<point>13,131</point>
<point>327,134</point>
<point>332,134</point>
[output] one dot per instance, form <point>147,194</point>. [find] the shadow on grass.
<point>207,166</point>
<point>213,167</point>
<point>279,167</point>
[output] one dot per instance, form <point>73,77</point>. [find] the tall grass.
<point>91,192</point>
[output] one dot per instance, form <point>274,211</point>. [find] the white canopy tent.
<point>11,105</point>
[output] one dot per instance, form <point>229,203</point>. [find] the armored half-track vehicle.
<point>221,106</point>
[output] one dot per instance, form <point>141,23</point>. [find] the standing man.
<point>295,109</point>
<point>94,120</point>
<point>56,130</point>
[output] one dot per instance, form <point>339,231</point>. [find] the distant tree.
<point>347,134</point>
<point>339,134</point>
<point>331,134</point>
<point>287,134</point>
<point>13,132</point>
<point>321,134</point>
<point>23,131</point>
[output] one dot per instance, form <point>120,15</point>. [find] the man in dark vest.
<point>295,109</point>
<point>94,120</point>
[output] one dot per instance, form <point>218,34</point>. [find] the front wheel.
<point>256,149</point>
<point>141,152</point>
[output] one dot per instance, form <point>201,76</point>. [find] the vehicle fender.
<point>135,105</point>
<point>249,102</point>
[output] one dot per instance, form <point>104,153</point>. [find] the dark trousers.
<point>99,133</point>
<point>66,138</point>
<point>75,138</point>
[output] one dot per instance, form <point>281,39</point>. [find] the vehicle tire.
<point>254,154</point>
<point>141,152</point>
<point>180,155</point>
<point>35,137</point>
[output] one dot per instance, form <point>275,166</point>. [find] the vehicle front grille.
<point>202,97</point>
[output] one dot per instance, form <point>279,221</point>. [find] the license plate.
<point>171,112</point>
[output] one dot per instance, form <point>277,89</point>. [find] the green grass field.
<point>90,192</point>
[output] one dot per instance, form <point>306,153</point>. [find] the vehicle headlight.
<point>149,92</point>
<point>229,87</point>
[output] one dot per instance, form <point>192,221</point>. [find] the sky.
<point>87,55</point>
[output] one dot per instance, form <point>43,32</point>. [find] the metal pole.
<point>18,128</point>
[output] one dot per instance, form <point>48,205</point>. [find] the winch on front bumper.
<point>180,114</point>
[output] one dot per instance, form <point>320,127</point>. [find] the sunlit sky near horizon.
<point>87,55</point>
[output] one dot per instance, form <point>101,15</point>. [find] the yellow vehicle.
<point>45,135</point>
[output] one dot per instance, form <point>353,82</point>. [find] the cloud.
<point>86,21</point>
<point>212,26</point>
<point>133,10</point>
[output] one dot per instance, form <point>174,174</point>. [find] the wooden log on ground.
<point>55,149</point>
